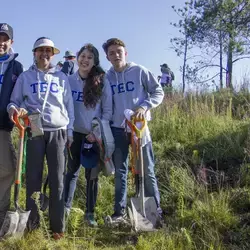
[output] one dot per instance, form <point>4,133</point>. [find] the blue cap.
<point>90,157</point>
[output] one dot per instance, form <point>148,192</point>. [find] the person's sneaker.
<point>89,217</point>
<point>58,236</point>
<point>118,218</point>
<point>160,222</point>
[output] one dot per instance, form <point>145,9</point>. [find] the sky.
<point>143,25</point>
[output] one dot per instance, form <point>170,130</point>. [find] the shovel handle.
<point>16,196</point>
<point>21,127</point>
<point>138,131</point>
<point>19,124</point>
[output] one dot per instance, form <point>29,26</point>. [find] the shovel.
<point>143,213</point>
<point>15,221</point>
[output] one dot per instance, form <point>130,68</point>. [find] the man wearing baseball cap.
<point>70,65</point>
<point>10,69</point>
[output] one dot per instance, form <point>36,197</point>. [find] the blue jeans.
<point>73,170</point>
<point>120,158</point>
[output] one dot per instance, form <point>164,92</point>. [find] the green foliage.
<point>189,134</point>
<point>220,29</point>
<point>207,123</point>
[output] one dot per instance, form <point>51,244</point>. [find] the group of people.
<point>61,106</point>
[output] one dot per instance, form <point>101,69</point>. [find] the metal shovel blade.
<point>22,222</point>
<point>15,222</point>
<point>147,222</point>
<point>10,224</point>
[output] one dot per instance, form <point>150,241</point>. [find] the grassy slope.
<point>204,136</point>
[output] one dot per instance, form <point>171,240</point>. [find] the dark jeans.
<point>120,158</point>
<point>53,146</point>
<point>73,170</point>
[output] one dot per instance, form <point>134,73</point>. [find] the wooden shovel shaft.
<point>139,133</point>
<point>20,157</point>
<point>18,172</point>
<point>142,188</point>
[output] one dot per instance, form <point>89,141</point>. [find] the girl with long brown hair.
<point>92,98</point>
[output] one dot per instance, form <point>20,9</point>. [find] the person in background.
<point>92,98</point>
<point>167,76</point>
<point>70,64</point>
<point>133,87</point>
<point>44,94</point>
<point>10,69</point>
<point>59,65</point>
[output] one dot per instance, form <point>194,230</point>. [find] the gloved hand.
<point>22,112</point>
<point>11,112</point>
<point>139,113</point>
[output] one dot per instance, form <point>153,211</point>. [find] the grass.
<point>202,150</point>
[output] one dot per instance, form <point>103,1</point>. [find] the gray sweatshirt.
<point>29,93</point>
<point>133,88</point>
<point>83,115</point>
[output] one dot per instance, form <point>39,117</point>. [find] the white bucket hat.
<point>45,42</point>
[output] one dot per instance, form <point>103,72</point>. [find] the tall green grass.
<point>192,135</point>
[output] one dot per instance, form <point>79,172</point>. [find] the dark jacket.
<point>69,67</point>
<point>13,70</point>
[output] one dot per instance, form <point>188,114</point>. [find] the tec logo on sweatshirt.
<point>122,87</point>
<point>77,95</point>
<point>54,88</point>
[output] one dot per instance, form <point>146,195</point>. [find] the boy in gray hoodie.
<point>133,87</point>
<point>44,93</point>
<point>10,69</point>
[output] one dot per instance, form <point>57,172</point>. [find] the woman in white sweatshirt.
<point>44,93</point>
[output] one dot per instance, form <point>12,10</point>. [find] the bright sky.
<point>143,25</point>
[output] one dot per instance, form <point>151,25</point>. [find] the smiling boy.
<point>10,69</point>
<point>133,87</point>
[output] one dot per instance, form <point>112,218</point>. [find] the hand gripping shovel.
<point>15,221</point>
<point>143,213</point>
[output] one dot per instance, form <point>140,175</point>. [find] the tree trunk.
<point>184,65</point>
<point>229,63</point>
<point>221,61</point>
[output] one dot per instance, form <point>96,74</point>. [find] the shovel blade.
<point>148,222</point>
<point>10,224</point>
<point>22,222</point>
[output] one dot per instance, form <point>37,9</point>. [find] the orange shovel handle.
<point>19,124</point>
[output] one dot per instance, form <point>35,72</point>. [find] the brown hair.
<point>92,90</point>
<point>112,41</point>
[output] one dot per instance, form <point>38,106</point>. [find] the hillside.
<point>202,163</point>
